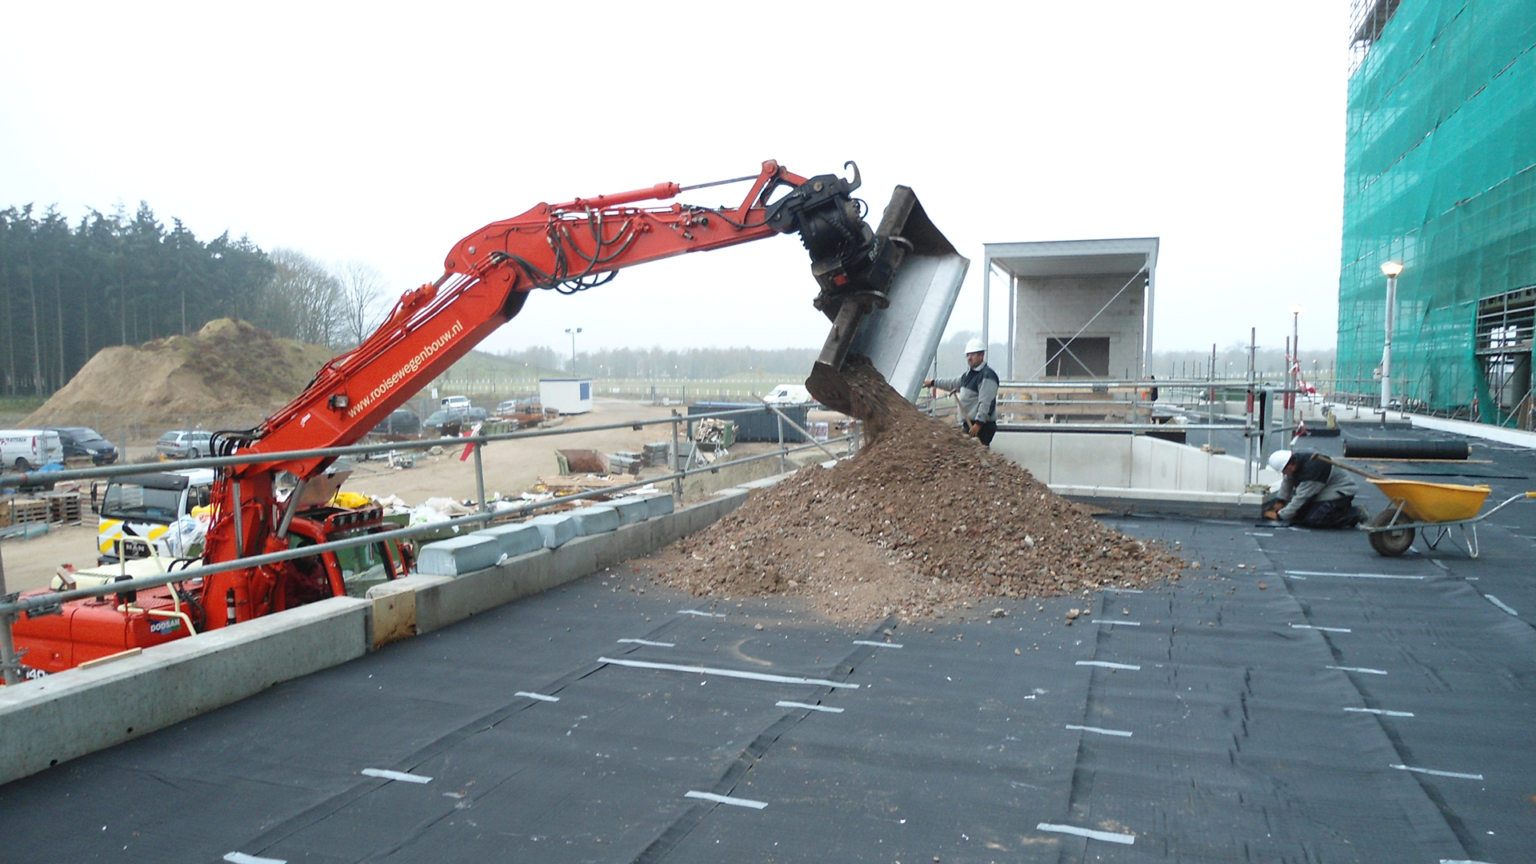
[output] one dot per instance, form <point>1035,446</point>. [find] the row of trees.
<point>685,364</point>
<point>67,290</point>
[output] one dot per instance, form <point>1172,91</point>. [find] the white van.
<point>788,394</point>
<point>455,403</point>
<point>29,449</point>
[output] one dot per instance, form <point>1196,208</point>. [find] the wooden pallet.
<point>63,508</point>
<point>29,510</point>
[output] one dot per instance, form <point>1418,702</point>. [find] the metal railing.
<point>12,604</point>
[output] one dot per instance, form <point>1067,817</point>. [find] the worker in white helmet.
<point>1314,492</point>
<point>976,391</point>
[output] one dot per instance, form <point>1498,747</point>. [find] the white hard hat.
<point>975,346</point>
<point>1279,459</point>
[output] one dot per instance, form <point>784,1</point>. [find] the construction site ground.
<point>1295,698</point>
<point>511,467</point>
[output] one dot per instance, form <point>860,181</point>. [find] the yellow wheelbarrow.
<point>1431,510</point>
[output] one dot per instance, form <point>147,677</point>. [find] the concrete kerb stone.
<point>60,717</point>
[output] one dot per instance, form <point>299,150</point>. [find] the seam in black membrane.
<point>1469,842</point>
<point>490,720</point>
<point>660,848</point>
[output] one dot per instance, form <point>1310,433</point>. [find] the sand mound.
<point>924,519</point>
<point>229,367</point>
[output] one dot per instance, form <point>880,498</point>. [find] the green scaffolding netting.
<point>1440,149</point>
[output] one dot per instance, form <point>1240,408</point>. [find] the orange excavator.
<point>899,281</point>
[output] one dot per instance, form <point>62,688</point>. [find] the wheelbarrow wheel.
<point>1390,544</point>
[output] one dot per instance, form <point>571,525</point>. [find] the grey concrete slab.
<point>596,520</point>
<point>517,538</point>
<point>557,529</point>
<point>458,555</point>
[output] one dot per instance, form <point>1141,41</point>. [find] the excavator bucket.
<point>899,331</point>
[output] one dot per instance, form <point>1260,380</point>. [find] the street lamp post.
<point>1293,369</point>
<point>1390,269</point>
<point>573,331</point>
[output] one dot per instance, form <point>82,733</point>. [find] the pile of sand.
<point>923,520</point>
<point>229,367</point>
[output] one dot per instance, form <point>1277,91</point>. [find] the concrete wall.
<point>49,721</point>
<point>1059,306</point>
<point>1157,475</point>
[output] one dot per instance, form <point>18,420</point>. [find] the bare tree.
<point>305,301</point>
<point>363,292</point>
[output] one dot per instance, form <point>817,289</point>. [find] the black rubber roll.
<point>1405,448</point>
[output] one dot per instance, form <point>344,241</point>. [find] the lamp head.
<point>1392,268</point>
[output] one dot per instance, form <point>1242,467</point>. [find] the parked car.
<point>82,442</point>
<point>27,449</point>
<point>185,444</point>
<point>455,403</point>
<point>468,416</point>
<point>399,422</point>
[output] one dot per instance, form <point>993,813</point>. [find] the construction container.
<point>566,395</point>
<point>755,427</point>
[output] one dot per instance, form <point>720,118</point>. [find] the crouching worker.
<point>1314,493</point>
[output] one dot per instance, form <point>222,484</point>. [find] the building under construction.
<point>1441,143</point>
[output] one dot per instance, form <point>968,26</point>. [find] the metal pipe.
<point>291,508</point>
<point>798,428</point>
<point>479,478</point>
<point>8,660</point>
<point>239,524</point>
<point>1386,349</point>
<point>10,607</point>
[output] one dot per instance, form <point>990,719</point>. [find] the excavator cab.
<point>888,291</point>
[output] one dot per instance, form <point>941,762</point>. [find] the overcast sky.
<point>359,131</point>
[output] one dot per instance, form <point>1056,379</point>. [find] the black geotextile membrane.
<point>1239,715</point>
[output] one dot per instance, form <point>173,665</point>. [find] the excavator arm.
<point>565,247</point>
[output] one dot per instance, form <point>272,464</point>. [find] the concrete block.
<point>595,520</point>
<point>518,538</point>
<point>458,555</point>
<point>557,529</point>
<point>659,505</point>
<point>631,510</point>
<point>394,612</point>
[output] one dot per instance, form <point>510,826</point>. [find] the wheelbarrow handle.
<point>1506,503</point>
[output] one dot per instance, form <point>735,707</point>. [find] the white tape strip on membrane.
<point>727,673</point>
<point>1362,670</point>
<point>1456,774</point>
<point>1305,573</point>
<point>877,644</point>
<point>1108,665</point>
<point>1380,712</point>
<point>648,642</point>
<point>242,858</point>
<point>726,799</point>
<point>1126,590</point>
<point>1113,621</point>
<point>1500,603</point>
<point>1324,629</point>
<point>1460,861</point>
<point>1106,836</point>
<point>700,614</point>
<point>1116,732</point>
<point>539,696</point>
<point>807,705</point>
<point>395,775</point>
